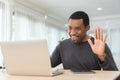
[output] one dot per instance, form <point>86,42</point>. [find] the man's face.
<point>77,30</point>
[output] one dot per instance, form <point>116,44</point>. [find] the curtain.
<point>2,19</point>
<point>115,44</point>
<point>28,28</point>
<point>2,22</point>
<point>28,25</point>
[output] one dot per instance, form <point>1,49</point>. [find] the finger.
<point>90,42</point>
<point>101,34</point>
<point>95,33</point>
<point>98,33</point>
<point>105,37</point>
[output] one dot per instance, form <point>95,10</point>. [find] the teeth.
<point>74,37</point>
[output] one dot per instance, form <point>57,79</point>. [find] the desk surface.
<point>67,75</point>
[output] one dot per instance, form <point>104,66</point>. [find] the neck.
<point>85,38</point>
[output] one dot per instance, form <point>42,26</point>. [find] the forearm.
<point>54,61</point>
<point>108,63</point>
<point>102,57</point>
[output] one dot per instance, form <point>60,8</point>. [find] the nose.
<point>72,32</point>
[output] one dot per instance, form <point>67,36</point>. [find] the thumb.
<point>90,42</point>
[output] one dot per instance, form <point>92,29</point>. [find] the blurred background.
<point>47,19</point>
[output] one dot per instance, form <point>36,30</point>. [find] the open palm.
<point>99,42</point>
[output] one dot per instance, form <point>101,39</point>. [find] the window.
<point>4,11</point>
<point>2,18</point>
<point>29,26</point>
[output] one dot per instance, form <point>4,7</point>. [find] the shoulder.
<point>66,41</point>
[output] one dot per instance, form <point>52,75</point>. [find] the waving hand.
<point>99,43</point>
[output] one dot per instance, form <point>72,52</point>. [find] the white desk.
<point>68,75</point>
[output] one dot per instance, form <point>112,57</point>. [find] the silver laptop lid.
<point>26,57</point>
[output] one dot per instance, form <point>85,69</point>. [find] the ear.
<point>87,27</point>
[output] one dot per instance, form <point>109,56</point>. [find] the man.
<point>82,52</point>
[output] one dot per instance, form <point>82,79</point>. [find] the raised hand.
<point>99,43</point>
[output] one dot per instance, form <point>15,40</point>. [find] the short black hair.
<point>80,15</point>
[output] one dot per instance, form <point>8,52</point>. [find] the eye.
<point>77,28</point>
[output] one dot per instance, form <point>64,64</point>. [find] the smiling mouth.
<point>74,38</point>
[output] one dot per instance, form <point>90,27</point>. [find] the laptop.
<point>27,58</point>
